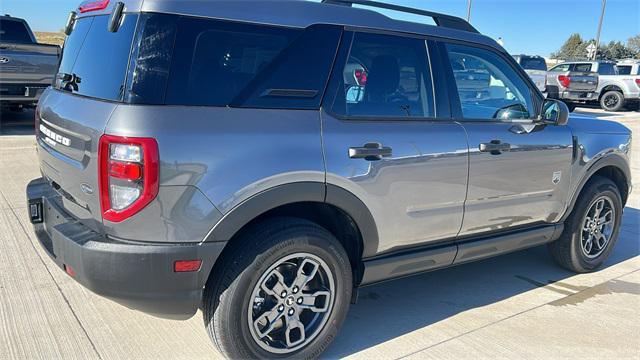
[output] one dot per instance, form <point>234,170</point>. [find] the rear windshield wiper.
<point>68,82</point>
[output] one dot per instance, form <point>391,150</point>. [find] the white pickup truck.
<point>615,90</point>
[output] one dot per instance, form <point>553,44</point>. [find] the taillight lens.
<point>129,175</point>
<point>638,82</point>
<point>564,80</point>
<point>361,76</point>
<point>93,5</point>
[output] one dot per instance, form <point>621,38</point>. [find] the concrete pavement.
<point>515,306</point>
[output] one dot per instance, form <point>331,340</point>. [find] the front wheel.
<point>282,291</point>
<point>592,229</point>
<point>612,101</point>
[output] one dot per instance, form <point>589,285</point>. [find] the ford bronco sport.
<point>262,160</point>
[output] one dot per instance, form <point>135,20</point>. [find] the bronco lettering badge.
<point>52,138</point>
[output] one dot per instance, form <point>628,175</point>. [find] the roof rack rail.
<point>443,20</point>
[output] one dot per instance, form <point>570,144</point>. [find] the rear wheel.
<point>612,101</point>
<point>282,292</point>
<point>592,228</point>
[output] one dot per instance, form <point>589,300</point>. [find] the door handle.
<point>370,152</point>
<point>495,147</point>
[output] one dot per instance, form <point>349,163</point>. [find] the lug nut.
<point>291,311</point>
<point>283,294</point>
<point>295,289</point>
<point>281,308</point>
<point>300,300</point>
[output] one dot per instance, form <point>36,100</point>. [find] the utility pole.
<point>469,10</point>
<point>604,6</point>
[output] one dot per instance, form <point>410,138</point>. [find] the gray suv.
<point>262,160</point>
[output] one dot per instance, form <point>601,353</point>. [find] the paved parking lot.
<point>515,306</point>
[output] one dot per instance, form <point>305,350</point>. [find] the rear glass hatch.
<point>93,68</point>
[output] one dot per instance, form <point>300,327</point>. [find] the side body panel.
<point>416,196</point>
<point>227,154</point>
<point>528,184</point>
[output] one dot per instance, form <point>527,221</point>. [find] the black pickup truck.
<point>26,67</point>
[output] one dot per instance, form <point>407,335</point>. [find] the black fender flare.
<point>286,194</point>
<point>612,159</point>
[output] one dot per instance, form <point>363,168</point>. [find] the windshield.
<point>533,64</point>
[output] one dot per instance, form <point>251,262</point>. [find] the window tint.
<point>581,67</point>
<point>624,69</point>
<point>72,46</point>
<point>560,68</point>
<point>15,32</point>
<point>530,63</point>
<point>101,64</point>
<point>213,61</point>
<point>385,76</point>
<point>607,69</point>
<point>488,87</point>
<point>151,59</point>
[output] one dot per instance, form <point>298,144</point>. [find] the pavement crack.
<point>64,297</point>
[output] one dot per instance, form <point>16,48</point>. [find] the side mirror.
<point>554,112</point>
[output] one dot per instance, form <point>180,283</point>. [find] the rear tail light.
<point>128,175</point>
<point>93,5</point>
<point>361,76</point>
<point>638,82</point>
<point>564,80</point>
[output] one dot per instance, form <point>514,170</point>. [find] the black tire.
<point>567,251</point>
<point>231,286</point>
<point>571,106</point>
<point>612,101</point>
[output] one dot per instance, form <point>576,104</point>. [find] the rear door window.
<point>624,69</point>
<point>14,31</point>
<point>581,67</point>
<point>607,69</point>
<point>385,76</point>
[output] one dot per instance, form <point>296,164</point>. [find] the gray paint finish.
<point>416,195</point>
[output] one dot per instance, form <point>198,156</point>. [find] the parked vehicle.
<point>614,90</point>
<point>536,67</point>
<point>216,159</point>
<point>26,67</point>
<point>572,83</point>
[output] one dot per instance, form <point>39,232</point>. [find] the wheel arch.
<point>613,167</point>
<point>332,207</point>
<point>610,88</point>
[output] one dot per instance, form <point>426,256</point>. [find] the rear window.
<point>14,31</point>
<point>180,60</point>
<point>607,69</point>
<point>96,58</point>
<point>529,63</point>
<point>582,67</point>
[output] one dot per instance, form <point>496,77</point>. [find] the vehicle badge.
<point>557,176</point>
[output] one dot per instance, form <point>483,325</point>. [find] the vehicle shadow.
<point>392,309</point>
<point>17,122</point>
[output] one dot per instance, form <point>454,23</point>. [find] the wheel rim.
<point>611,101</point>
<point>597,227</point>
<point>291,303</point>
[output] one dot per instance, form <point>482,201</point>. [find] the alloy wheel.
<point>597,227</point>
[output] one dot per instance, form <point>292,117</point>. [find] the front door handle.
<point>495,147</point>
<point>370,152</point>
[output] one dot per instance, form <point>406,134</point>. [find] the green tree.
<point>615,50</point>
<point>573,48</point>
<point>633,44</point>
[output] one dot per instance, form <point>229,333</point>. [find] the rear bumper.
<point>18,94</point>
<point>138,276</point>
<point>579,95</point>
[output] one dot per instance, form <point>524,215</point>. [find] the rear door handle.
<point>495,147</point>
<point>370,152</point>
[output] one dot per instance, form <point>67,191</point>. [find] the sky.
<point>535,27</point>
